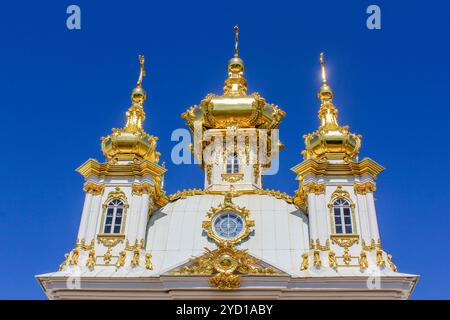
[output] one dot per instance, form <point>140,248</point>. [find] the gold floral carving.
<point>313,187</point>
<point>94,188</point>
<point>364,188</point>
<point>193,192</point>
<point>232,177</point>
<point>344,240</point>
<point>110,240</point>
<point>340,193</point>
<point>140,189</point>
<point>225,265</point>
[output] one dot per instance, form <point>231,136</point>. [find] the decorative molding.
<point>193,192</point>
<point>141,188</point>
<point>94,188</point>
<point>83,246</point>
<point>364,188</point>
<point>209,173</point>
<point>137,245</point>
<point>340,193</point>
<point>344,240</point>
<point>314,187</point>
<point>110,240</point>
<point>232,177</point>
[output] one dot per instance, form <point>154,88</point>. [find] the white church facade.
<point>233,239</point>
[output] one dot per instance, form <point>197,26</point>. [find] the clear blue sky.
<point>61,90</point>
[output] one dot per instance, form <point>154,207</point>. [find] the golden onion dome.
<point>132,143</point>
<point>234,107</point>
<point>330,141</point>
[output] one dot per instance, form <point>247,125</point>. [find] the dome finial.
<point>236,40</point>
<point>138,95</point>
<point>142,73</point>
<point>322,66</point>
<point>325,93</point>
<point>235,85</point>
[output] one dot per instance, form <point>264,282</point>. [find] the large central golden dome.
<point>234,107</point>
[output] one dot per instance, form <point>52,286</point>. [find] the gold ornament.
<point>135,259</point>
<point>332,262</point>
<point>317,260</point>
<point>225,265</point>
<point>64,263</point>
<point>391,264</point>
<point>90,263</point>
<point>363,263</point>
<point>148,262</point>
<point>305,262</point>
<point>121,260</point>
<point>74,258</point>
<point>364,188</point>
<point>379,258</point>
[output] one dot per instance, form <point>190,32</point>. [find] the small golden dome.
<point>132,143</point>
<point>330,141</point>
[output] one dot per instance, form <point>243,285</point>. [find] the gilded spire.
<point>236,40</point>
<point>328,112</point>
<point>322,66</point>
<point>235,85</point>
<point>136,115</point>
<point>325,93</point>
<point>142,73</point>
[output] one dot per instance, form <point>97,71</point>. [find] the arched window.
<point>114,217</point>
<point>232,163</point>
<point>342,216</point>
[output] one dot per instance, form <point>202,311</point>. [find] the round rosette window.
<point>228,225</point>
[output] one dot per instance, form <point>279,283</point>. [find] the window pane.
<point>117,229</point>
<point>338,229</point>
<point>348,229</point>
<point>110,212</point>
<point>346,211</point>
<point>107,229</point>
<point>108,220</point>
<point>337,220</point>
<point>347,220</point>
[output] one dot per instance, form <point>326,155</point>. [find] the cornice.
<point>311,166</point>
<point>94,168</point>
